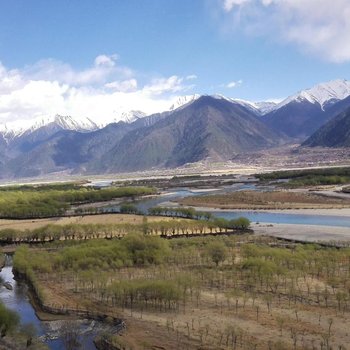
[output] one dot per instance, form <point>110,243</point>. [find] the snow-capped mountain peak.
<point>259,108</point>
<point>64,122</point>
<point>131,116</point>
<point>18,128</point>
<point>323,94</point>
<point>77,124</point>
<point>181,101</point>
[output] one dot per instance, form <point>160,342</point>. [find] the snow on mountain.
<point>324,94</point>
<point>248,104</point>
<point>131,116</point>
<point>181,101</point>
<point>17,128</point>
<point>72,123</point>
<point>265,106</point>
<point>120,116</point>
<point>259,108</point>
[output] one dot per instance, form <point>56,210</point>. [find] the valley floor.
<point>263,296</point>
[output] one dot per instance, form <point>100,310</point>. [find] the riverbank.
<point>341,212</point>
<point>303,233</point>
<point>50,328</point>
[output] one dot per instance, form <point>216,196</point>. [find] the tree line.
<point>52,202</point>
<point>164,228</point>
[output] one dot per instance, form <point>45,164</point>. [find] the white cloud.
<point>104,68</point>
<point>165,85</point>
<point>230,4</point>
<point>320,27</point>
<point>104,60</point>
<point>100,92</point>
<point>233,84</point>
<point>124,86</point>
<point>191,77</point>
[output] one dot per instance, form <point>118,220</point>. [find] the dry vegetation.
<point>82,220</point>
<point>267,200</point>
<point>237,292</point>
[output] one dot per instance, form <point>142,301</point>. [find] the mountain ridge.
<point>207,127</point>
<point>321,96</point>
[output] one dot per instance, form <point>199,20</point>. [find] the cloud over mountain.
<point>105,89</point>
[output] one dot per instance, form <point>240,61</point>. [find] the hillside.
<point>336,133</point>
<point>209,128</point>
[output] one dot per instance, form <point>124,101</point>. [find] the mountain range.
<point>194,128</point>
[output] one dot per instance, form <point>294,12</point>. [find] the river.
<point>167,199</point>
<point>18,300</point>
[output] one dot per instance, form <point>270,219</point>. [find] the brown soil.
<point>204,326</point>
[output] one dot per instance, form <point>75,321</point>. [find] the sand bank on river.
<point>311,233</point>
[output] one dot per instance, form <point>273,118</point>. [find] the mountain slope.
<point>302,114</point>
<point>336,133</point>
<point>209,127</point>
<point>66,150</point>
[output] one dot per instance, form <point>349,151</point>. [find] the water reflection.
<point>18,300</point>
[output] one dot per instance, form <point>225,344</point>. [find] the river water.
<point>18,300</point>
<point>167,199</point>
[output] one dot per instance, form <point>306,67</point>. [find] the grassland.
<point>267,200</point>
<point>179,294</point>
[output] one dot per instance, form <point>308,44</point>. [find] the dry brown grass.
<point>87,219</point>
<point>202,327</point>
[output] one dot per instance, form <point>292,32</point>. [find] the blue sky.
<point>155,50</point>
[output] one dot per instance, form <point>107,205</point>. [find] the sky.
<point>97,58</point>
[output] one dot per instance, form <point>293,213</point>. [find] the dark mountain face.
<point>301,119</point>
<point>335,133</point>
<point>208,128</point>
<point>296,119</point>
<point>73,149</point>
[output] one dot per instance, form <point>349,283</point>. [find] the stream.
<point>49,331</point>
